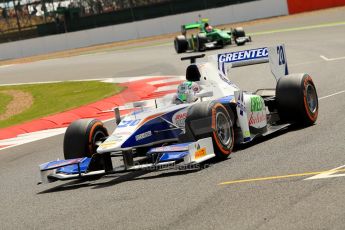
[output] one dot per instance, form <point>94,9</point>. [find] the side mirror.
<point>139,104</point>
<point>204,94</point>
<point>117,115</point>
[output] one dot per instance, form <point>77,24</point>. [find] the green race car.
<point>208,37</point>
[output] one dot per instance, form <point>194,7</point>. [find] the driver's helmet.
<point>186,91</point>
<point>208,28</point>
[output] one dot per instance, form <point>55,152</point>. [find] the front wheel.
<point>223,131</point>
<point>201,40</point>
<point>81,138</point>
<point>209,119</point>
<point>297,99</point>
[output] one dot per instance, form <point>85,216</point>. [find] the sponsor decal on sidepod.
<point>143,135</point>
<point>257,112</point>
<point>179,118</point>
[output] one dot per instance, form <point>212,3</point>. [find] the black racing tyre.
<point>230,41</point>
<point>297,99</point>
<point>201,40</point>
<point>210,119</point>
<point>81,137</point>
<point>238,32</point>
<point>180,44</point>
<point>239,43</point>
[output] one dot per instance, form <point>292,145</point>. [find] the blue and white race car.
<point>176,131</point>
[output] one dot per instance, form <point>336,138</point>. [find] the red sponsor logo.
<point>181,116</point>
<point>179,119</point>
<point>257,118</point>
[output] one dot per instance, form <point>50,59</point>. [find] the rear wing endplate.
<point>275,55</point>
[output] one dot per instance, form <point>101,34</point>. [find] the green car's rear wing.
<point>195,25</point>
<point>190,26</point>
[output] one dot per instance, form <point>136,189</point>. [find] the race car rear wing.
<point>275,55</point>
<point>192,26</point>
<point>195,25</point>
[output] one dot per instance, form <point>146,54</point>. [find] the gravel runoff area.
<point>20,102</point>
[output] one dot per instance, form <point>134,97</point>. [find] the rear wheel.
<point>297,99</point>
<point>238,32</point>
<point>81,138</point>
<point>180,44</point>
<point>209,119</point>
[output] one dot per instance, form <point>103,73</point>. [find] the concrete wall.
<point>140,29</point>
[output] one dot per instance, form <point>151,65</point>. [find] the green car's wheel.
<point>238,32</point>
<point>201,40</point>
<point>180,44</point>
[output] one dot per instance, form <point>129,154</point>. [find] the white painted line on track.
<point>328,174</point>
<point>331,59</point>
<point>331,95</point>
<point>49,82</point>
<point>30,83</point>
<point>305,63</point>
<point>318,61</point>
<point>124,79</point>
<point>106,80</point>
<point>30,137</point>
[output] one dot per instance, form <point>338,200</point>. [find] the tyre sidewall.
<point>222,150</point>
<point>180,44</point>
<point>291,96</point>
<point>208,111</point>
<point>79,138</point>
<point>309,115</point>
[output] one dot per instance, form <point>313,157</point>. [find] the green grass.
<point>52,98</point>
<point>4,100</point>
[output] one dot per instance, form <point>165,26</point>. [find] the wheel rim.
<point>99,134</point>
<point>311,98</point>
<point>223,129</point>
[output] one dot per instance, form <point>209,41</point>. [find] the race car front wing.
<point>183,153</point>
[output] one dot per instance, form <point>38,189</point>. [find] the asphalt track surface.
<point>195,199</point>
